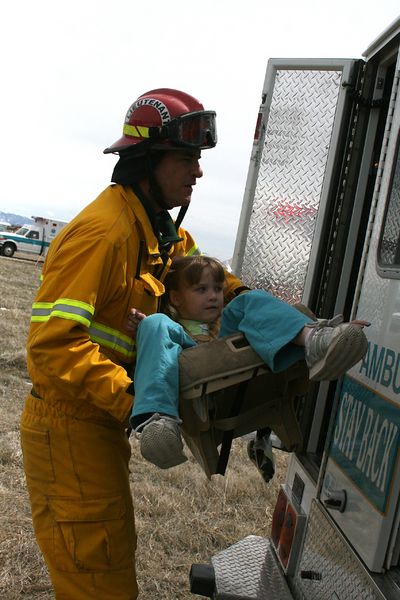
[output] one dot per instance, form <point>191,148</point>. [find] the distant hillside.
<point>14,219</point>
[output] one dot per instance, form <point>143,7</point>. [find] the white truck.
<point>5,226</point>
<point>320,224</point>
<point>33,238</point>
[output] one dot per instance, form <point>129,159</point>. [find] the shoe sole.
<point>347,349</point>
<point>161,447</point>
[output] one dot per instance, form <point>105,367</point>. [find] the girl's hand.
<point>133,320</point>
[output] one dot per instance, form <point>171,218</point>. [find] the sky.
<point>71,68</point>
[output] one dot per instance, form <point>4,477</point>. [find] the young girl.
<point>280,334</point>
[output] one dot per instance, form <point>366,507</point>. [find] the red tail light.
<point>287,535</point>
<point>288,522</point>
<point>278,517</point>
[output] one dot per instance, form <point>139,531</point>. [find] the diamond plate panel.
<point>390,241</point>
<point>338,573</point>
<point>289,182</point>
<point>249,570</point>
<point>375,289</point>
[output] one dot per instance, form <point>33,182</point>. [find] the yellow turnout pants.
<point>76,466</point>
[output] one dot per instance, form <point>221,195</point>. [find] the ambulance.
<point>33,238</point>
<point>320,225</point>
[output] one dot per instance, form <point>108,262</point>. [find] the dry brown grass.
<point>181,517</point>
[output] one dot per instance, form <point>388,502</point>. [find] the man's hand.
<point>133,320</point>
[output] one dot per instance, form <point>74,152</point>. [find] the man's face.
<point>202,301</point>
<point>176,175</point>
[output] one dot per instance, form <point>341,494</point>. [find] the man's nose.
<point>197,170</point>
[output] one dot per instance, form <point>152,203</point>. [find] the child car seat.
<point>227,391</point>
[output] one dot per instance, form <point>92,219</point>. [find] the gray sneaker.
<point>161,442</point>
<point>333,347</point>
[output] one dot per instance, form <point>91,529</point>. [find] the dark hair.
<point>132,167</point>
<point>187,270</point>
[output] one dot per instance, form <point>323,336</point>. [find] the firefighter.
<point>112,256</point>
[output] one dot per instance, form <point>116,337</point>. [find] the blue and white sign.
<point>366,440</point>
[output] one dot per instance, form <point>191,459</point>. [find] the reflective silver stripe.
<point>41,311</point>
<point>63,308</point>
<point>112,338</point>
<point>76,313</point>
<point>81,312</point>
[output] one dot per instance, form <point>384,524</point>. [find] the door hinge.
<point>360,99</point>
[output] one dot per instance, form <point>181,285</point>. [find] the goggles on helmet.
<point>194,130</point>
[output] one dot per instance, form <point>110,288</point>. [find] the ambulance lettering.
<point>381,365</point>
<point>366,438</point>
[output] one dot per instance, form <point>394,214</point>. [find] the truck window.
<point>34,235</point>
<point>389,246</point>
<point>22,231</point>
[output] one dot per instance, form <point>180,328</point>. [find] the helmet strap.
<point>132,167</point>
<point>156,193</point>
<point>157,196</point>
<point>180,217</point>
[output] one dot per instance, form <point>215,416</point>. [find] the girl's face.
<point>202,301</point>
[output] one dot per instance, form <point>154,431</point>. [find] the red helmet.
<point>166,118</point>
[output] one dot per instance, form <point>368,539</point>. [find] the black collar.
<point>161,222</point>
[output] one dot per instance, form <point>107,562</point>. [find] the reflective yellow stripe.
<point>193,250</point>
<point>41,311</point>
<point>75,310</point>
<point>64,308</point>
<point>113,339</point>
<point>136,131</point>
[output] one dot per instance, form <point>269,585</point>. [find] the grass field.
<point>181,517</point>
